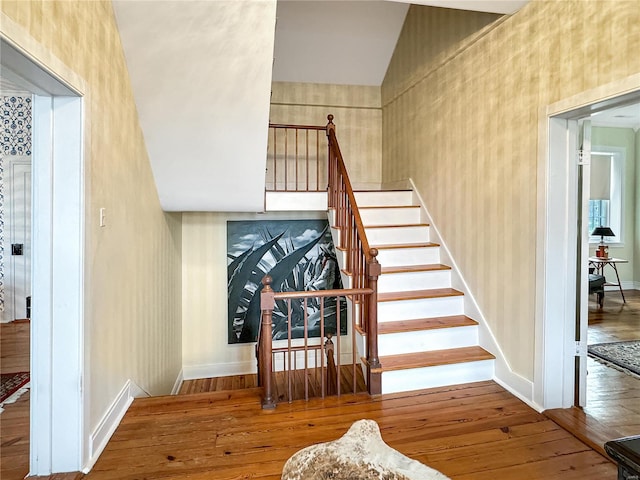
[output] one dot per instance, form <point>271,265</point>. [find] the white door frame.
<point>554,369</point>
<point>59,403</point>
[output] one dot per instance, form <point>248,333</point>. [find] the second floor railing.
<point>296,158</point>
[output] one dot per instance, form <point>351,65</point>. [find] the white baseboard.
<point>515,384</point>
<point>178,383</point>
<point>191,372</point>
<point>626,285</point>
<point>503,375</point>
<point>397,185</point>
<point>110,421</point>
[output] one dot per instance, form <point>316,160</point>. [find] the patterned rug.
<point>10,383</point>
<point>624,356</point>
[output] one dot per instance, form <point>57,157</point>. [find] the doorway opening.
<point>57,427</point>
<point>563,241</point>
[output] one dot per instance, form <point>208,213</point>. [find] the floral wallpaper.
<point>16,140</point>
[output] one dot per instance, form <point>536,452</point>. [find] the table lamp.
<point>602,251</point>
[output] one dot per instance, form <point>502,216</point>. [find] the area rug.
<point>10,383</point>
<point>624,356</point>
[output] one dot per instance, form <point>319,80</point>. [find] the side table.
<point>598,263</point>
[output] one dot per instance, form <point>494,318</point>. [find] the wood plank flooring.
<point>14,421</point>
<point>14,346</point>
<point>483,437</point>
<point>613,397</point>
<point>477,431</point>
<point>281,384</point>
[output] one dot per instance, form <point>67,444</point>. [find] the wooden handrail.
<point>361,261</point>
<point>342,169</point>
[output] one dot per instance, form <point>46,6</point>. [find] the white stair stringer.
<point>424,338</point>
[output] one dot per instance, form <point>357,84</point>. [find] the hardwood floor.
<point>281,384</point>
<point>477,431</point>
<point>14,346</point>
<point>14,421</point>
<point>468,432</point>
<point>613,397</point>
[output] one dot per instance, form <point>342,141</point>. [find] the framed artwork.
<point>299,255</point>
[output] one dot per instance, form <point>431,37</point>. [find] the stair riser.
<point>390,216</point>
<point>373,199</point>
<point>393,257</point>
<point>438,376</point>
<point>427,340</point>
<point>399,282</point>
<point>397,235</point>
<point>421,308</point>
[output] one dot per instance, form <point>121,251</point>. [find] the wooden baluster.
<point>374,370</point>
<point>331,367</point>
<point>267,304</point>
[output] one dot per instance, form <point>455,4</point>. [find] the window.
<point>598,214</point>
<point>605,199</point>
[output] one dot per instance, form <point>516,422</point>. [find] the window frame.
<point>616,201</point>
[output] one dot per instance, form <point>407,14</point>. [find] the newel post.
<point>374,369</point>
<point>267,303</point>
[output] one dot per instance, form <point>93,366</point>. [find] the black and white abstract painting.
<point>299,255</point>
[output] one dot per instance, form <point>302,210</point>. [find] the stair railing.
<point>295,158</point>
<point>361,262</point>
<point>319,357</point>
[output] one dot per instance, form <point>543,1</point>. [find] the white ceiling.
<point>355,38</point>
<point>623,117</point>
<point>201,73</point>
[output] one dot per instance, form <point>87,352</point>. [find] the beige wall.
<point>132,275</point>
<point>462,122</point>
<point>358,119</point>
<point>622,138</point>
<point>205,351</point>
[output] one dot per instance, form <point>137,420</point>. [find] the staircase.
<point>424,338</point>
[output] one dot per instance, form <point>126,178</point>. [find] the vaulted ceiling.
<point>201,73</point>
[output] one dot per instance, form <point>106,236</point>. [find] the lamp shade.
<point>603,232</point>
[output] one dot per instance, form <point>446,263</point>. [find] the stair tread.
<point>418,294</point>
<point>420,324</point>
<point>406,245</point>
<point>415,268</point>
<point>395,225</point>
<point>434,358</point>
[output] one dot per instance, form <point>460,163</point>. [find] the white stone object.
<point>360,453</point>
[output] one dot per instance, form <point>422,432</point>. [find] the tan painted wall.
<point>465,128</point>
<point>132,276</point>
<point>205,349</point>
<point>358,119</point>
<point>622,138</point>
